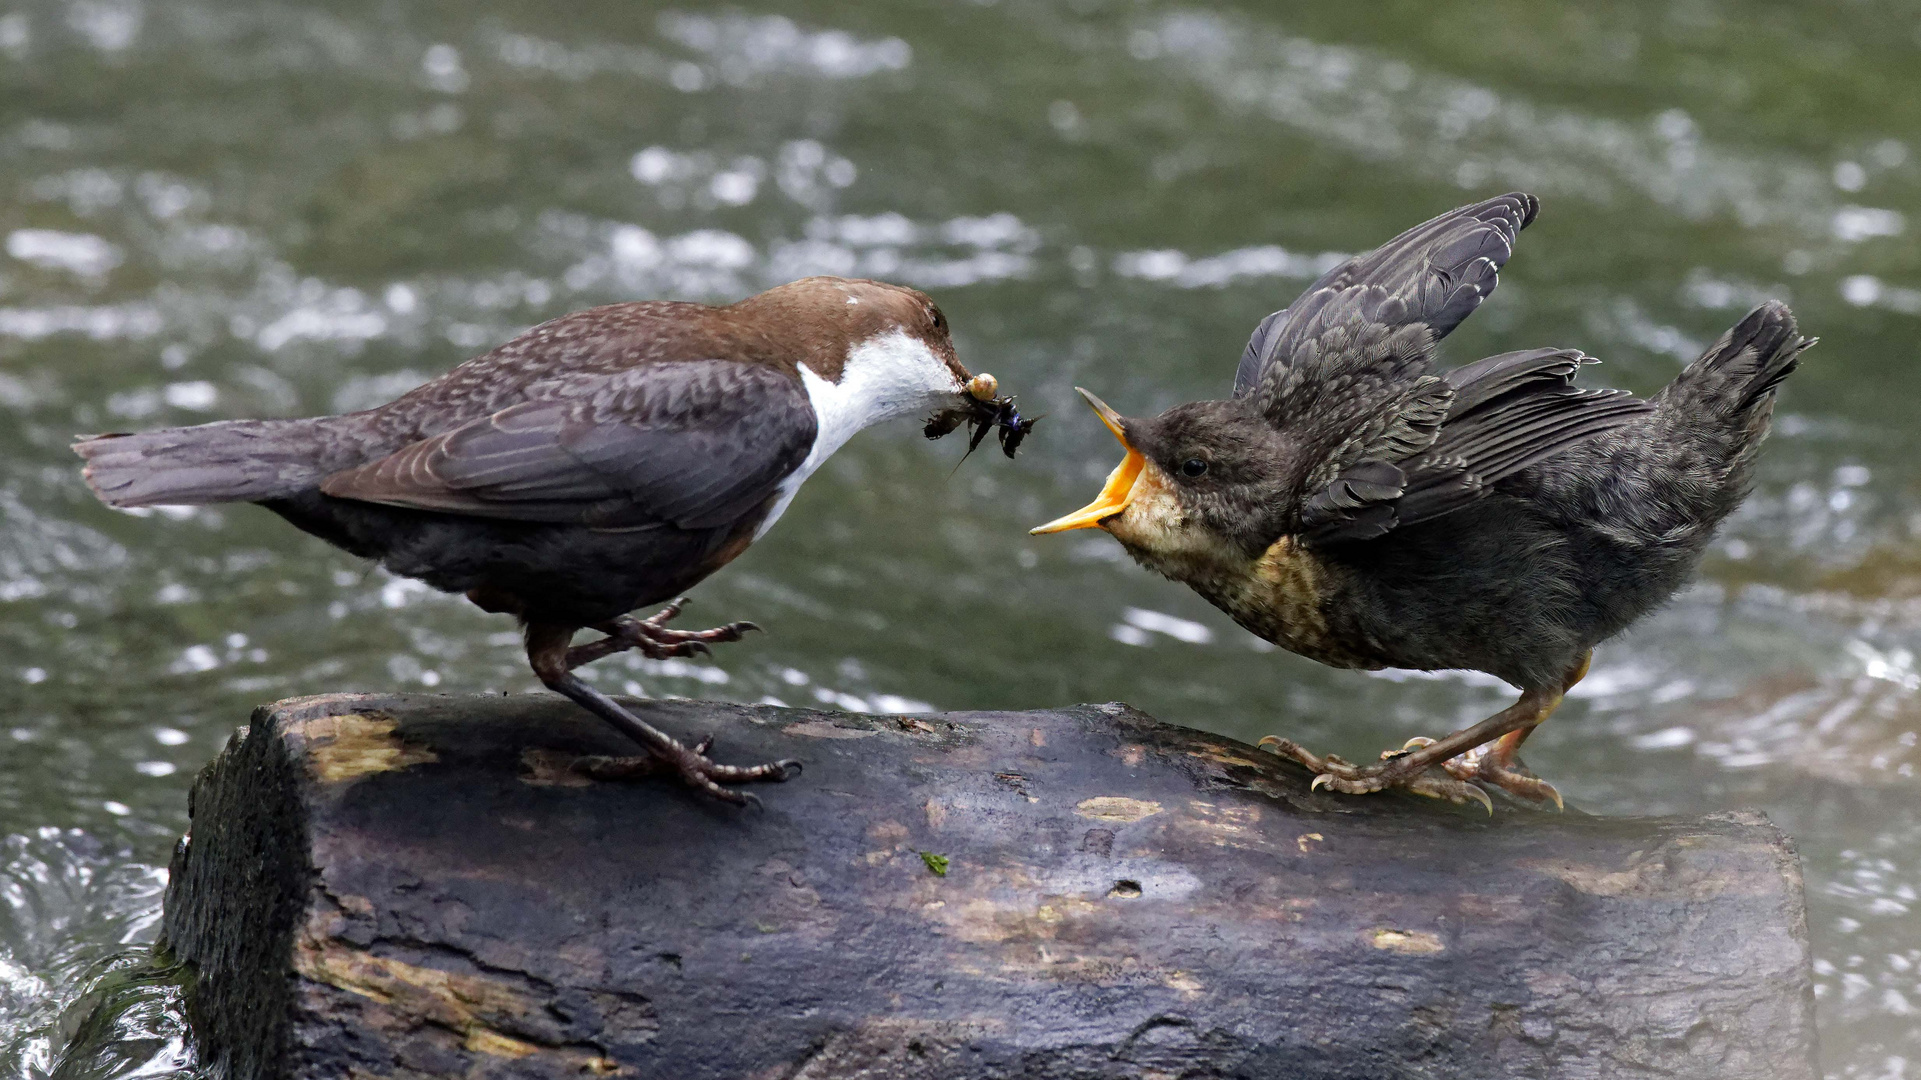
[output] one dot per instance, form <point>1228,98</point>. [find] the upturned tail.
<point>229,461</point>
<point>1658,488</point>
<point>1641,503</point>
<point>1713,417</point>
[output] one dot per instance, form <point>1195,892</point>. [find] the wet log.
<point>415,886</point>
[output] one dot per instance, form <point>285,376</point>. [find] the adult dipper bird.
<point>599,463</point>
<point>1350,504</point>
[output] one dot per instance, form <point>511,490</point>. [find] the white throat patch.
<point>884,378</point>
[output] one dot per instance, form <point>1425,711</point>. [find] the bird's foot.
<point>1344,776</point>
<point>653,631</point>
<point>652,638</point>
<point>694,768</point>
<point>1487,765</point>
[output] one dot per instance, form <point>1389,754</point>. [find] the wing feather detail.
<point>1506,413</point>
<point>1431,276</point>
<point>694,444</point>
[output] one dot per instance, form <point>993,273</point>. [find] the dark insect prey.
<point>984,412</point>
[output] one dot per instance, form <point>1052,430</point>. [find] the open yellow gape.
<point>1119,489</point>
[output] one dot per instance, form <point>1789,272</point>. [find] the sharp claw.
<point>1416,743</point>
<point>1551,790</point>
<point>698,648</point>
<point>1269,743</point>
<point>748,798</point>
<point>1474,792</point>
<point>1319,781</point>
<point>790,768</point>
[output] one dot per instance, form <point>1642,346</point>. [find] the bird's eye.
<point>1193,467</point>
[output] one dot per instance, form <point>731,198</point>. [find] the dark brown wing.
<point>694,444</point>
<point>1504,414</point>
<point>1430,277</point>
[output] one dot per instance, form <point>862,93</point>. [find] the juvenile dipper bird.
<point>1350,504</point>
<point>599,463</point>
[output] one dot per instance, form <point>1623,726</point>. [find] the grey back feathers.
<point>695,444</point>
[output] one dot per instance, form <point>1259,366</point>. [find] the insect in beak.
<point>984,412</point>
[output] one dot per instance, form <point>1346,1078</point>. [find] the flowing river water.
<point>214,209</point>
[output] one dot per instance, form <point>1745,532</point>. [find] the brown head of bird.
<point>887,350</point>
<point>820,322</point>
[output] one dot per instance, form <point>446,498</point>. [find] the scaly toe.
<point>1511,776</point>
<point>1336,774</point>
<point>1522,786</point>
<point>695,769</point>
<point>669,613</point>
<point>1360,784</point>
<point>1454,791</point>
<point>704,783</point>
<point>1295,752</point>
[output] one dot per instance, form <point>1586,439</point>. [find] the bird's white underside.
<point>884,378</point>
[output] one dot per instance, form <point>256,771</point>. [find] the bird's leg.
<point>548,653</point>
<point>652,637</point>
<point>1410,766</point>
<point>1498,763</point>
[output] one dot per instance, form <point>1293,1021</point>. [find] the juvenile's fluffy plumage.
<point>1355,506</point>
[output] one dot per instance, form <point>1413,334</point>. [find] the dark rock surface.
<point>413,886</point>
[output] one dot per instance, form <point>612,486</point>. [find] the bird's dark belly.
<point>553,573</point>
<point>1491,588</point>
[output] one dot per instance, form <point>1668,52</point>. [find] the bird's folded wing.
<point>1506,413</point>
<point>1429,277</point>
<point>694,444</point>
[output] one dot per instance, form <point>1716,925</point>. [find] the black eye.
<point>1193,467</point>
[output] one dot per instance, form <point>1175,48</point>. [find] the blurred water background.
<point>213,208</point>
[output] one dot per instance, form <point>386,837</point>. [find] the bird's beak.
<point>1119,490</point>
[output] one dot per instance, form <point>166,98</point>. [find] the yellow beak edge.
<point>1119,489</point>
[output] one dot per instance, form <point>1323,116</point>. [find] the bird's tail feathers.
<point>229,461</point>
<point>1736,377</point>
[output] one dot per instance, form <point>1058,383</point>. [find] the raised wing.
<point>694,444</point>
<point>1431,276</point>
<point>1503,414</point>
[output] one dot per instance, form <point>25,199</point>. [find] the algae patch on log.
<point>353,745</point>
